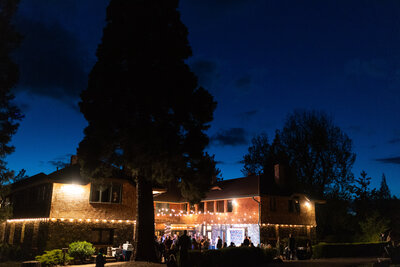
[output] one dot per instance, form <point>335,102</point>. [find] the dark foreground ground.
<point>362,262</point>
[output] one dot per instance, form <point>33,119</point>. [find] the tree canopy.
<point>317,151</point>
<point>146,113</point>
<point>9,112</point>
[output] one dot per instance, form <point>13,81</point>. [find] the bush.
<point>14,253</point>
<point>53,257</point>
<point>236,256</point>
<point>334,250</point>
<point>81,250</point>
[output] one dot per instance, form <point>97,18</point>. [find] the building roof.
<point>226,189</point>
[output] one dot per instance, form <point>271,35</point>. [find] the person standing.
<point>100,259</point>
<point>219,243</point>
<point>184,245</point>
<point>292,247</point>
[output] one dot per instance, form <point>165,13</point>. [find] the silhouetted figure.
<point>246,241</point>
<point>219,243</point>
<point>100,259</point>
<point>232,245</point>
<point>292,247</point>
<point>184,244</point>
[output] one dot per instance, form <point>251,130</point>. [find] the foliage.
<point>13,252</point>
<point>372,227</point>
<point>320,153</point>
<point>338,250</point>
<point>81,250</point>
<point>236,256</point>
<point>317,151</point>
<point>146,114</point>
<point>384,192</point>
<point>9,113</point>
<point>53,258</point>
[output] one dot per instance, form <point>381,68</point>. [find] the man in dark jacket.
<point>184,244</point>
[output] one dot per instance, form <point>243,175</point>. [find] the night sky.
<point>260,59</point>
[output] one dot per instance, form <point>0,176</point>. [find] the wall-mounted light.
<point>307,204</point>
<point>72,190</point>
<point>235,203</point>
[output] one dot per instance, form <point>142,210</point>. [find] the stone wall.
<point>282,215</point>
<point>76,205</point>
<point>46,235</point>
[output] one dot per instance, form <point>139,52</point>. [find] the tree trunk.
<point>144,243</point>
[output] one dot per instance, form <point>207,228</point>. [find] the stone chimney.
<point>74,159</point>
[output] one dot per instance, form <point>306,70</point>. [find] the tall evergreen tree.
<point>384,192</point>
<point>9,113</point>
<point>145,112</point>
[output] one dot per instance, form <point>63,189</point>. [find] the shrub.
<point>333,250</point>
<point>236,256</point>
<point>14,253</point>
<point>53,257</point>
<point>81,250</point>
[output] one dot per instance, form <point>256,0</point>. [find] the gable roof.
<point>226,189</point>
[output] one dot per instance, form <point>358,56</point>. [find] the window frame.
<point>108,186</point>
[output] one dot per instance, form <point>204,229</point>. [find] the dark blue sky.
<point>260,59</point>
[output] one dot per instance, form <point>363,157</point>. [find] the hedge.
<point>235,256</point>
<point>339,250</point>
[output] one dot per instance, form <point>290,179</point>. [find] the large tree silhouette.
<point>9,113</point>
<point>317,151</point>
<point>146,114</point>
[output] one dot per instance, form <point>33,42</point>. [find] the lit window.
<point>210,206</point>
<point>105,193</point>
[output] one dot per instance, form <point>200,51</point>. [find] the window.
<point>290,205</point>
<point>192,208</point>
<point>185,207</point>
<point>220,206</point>
<point>297,204</point>
<point>200,207</point>
<point>102,236</point>
<point>230,206</point>
<point>105,193</point>
<point>210,206</point>
<point>272,204</point>
<point>162,207</point>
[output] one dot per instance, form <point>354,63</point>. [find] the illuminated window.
<point>105,193</point>
<point>210,206</point>
<point>220,206</point>
<point>162,207</point>
<point>200,207</point>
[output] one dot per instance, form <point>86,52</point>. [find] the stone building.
<point>51,211</point>
<point>260,207</point>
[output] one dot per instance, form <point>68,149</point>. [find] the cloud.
<point>51,61</point>
<point>230,137</point>
<point>206,71</point>
<point>247,115</point>
<point>390,160</point>
<point>394,140</point>
<point>244,81</point>
<point>60,162</point>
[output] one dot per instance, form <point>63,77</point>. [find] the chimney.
<point>74,159</point>
<point>279,175</point>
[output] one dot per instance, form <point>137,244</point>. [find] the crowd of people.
<point>167,246</point>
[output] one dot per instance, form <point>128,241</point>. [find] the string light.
<point>72,220</point>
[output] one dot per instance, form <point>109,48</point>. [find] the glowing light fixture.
<point>72,190</point>
<point>235,203</point>
<point>307,204</point>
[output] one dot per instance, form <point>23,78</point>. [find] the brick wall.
<point>282,215</point>
<point>76,205</point>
